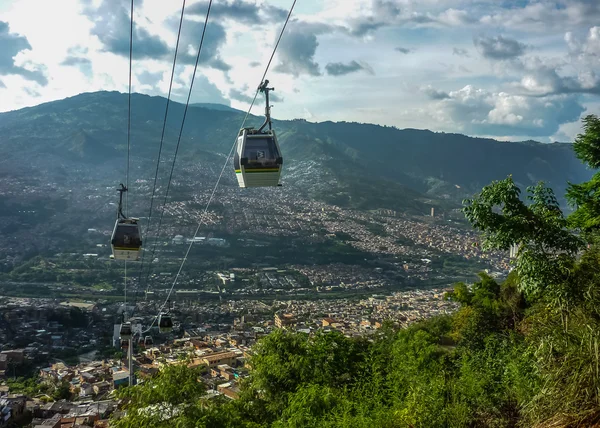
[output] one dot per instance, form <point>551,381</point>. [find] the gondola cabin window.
<point>127,235</point>
<point>260,152</point>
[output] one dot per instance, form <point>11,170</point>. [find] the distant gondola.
<point>126,240</point>
<point>257,159</point>
<point>125,332</point>
<point>165,323</point>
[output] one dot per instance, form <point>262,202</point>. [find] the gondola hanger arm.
<point>121,190</point>
<point>264,88</point>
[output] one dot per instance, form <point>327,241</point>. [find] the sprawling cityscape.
<point>260,261</point>
<point>336,214</point>
<point>36,332</point>
<point>257,264</point>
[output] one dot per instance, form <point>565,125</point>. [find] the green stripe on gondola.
<point>127,248</point>
<point>252,171</point>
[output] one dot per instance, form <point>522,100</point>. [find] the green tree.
<point>585,197</point>
<point>553,355</point>
<point>169,399</point>
<point>27,386</point>
<point>547,248</point>
<point>62,391</point>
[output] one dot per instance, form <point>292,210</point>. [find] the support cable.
<point>223,169</point>
<point>162,137</point>
<point>129,111</point>
<point>128,149</point>
<point>162,212</point>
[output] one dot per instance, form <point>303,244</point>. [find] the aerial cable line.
<point>178,140</point>
<point>128,147</point>
<point>162,212</point>
<point>272,55</point>
<point>129,347</point>
<point>129,111</point>
<point>162,137</point>
<point>224,165</point>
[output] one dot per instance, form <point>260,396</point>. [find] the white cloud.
<point>543,16</point>
<point>576,72</point>
<point>433,93</point>
<point>526,89</point>
<point>586,50</point>
<point>475,110</point>
<point>455,17</point>
<point>499,47</point>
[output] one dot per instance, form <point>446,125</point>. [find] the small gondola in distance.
<point>126,239</point>
<point>165,323</point>
<point>125,331</point>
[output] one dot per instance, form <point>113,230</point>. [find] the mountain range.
<point>349,164</point>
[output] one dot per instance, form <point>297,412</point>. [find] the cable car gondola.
<point>257,159</point>
<point>126,241</point>
<point>148,341</point>
<point>165,323</point>
<point>125,331</point>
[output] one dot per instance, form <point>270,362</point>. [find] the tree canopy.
<point>585,197</point>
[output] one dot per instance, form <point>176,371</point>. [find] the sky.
<point>505,69</point>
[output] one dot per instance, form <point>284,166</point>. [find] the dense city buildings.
<point>217,336</point>
<point>259,262</point>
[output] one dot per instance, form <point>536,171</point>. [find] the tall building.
<point>284,320</point>
<point>514,249</point>
<point>117,335</point>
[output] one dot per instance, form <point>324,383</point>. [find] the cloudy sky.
<point>508,69</point>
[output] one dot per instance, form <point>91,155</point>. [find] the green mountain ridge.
<point>360,165</point>
<point>214,106</point>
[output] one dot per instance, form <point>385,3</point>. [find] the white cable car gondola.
<point>148,341</point>
<point>165,323</point>
<point>126,241</point>
<point>125,331</point>
<point>257,159</point>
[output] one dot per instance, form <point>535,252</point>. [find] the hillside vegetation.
<point>350,164</point>
<point>523,352</point>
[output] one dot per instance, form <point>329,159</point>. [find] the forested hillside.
<point>350,164</point>
<point>523,352</point>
